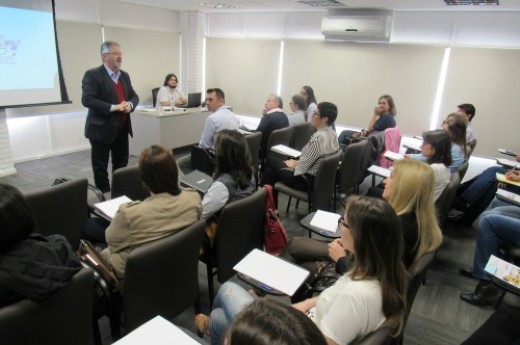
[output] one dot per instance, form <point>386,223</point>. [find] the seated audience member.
<point>220,118</point>
<point>500,329</point>
<point>168,210</point>
<point>31,266</point>
<point>409,190</point>
<point>372,293</point>
<point>169,94</point>
<point>474,196</point>
<point>500,225</point>
<point>233,178</point>
<point>300,173</point>
<point>267,322</point>
<point>455,124</point>
<point>273,118</point>
<point>382,118</point>
<point>307,93</point>
<point>298,112</point>
<point>468,110</point>
<point>436,151</point>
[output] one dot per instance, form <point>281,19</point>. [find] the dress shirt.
<point>220,119</point>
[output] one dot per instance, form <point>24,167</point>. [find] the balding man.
<point>273,118</point>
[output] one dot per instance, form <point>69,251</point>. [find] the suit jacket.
<point>268,124</point>
<point>98,96</point>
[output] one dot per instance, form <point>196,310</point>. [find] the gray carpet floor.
<point>438,315</point>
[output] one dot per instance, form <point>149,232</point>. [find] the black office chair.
<point>301,135</point>
<point>318,197</point>
<point>202,160</point>
<point>443,203</point>
<point>240,230</point>
<point>161,277</point>
<point>349,172</point>
<point>254,140</point>
<point>60,209</point>
<point>155,91</point>
<point>381,336</point>
<point>64,318</point>
<point>277,137</point>
<point>127,181</point>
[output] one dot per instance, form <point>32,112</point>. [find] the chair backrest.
<point>127,181</point>
<point>63,318</point>
<point>463,169</point>
<point>301,135</point>
<point>254,140</point>
<point>325,181</point>
<point>202,160</point>
<point>349,172</point>
<point>161,277</point>
<point>443,203</point>
<point>240,230</point>
<point>277,137</point>
<point>381,336</point>
<point>60,209</point>
<point>418,271</point>
<point>155,91</point>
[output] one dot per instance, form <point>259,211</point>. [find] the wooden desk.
<point>171,129</point>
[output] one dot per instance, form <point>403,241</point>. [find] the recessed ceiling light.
<point>323,3</point>
<point>217,5</point>
<point>471,2</point>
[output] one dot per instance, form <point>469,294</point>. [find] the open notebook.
<point>108,209</point>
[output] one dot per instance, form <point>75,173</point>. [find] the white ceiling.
<point>294,5</point>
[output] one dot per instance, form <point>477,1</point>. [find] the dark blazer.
<point>98,96</point>
<point>268,124</point>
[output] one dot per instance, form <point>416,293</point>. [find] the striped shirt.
<point>322,143</point>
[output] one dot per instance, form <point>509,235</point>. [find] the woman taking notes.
<point>371,294</point>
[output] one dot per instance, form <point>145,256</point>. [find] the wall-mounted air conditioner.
<point>357,25</point>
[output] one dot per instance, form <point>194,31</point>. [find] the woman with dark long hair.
<point>307,93</point>
<point>372,293</point>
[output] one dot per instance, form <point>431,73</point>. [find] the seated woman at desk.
<point>31,266</point>
<point>233,178</point>
<point>436,151</point>
<point>169,94</point>
<point>455,124</point>
<point>298,112</point>
<point>409,190</point>
<point>300,174</point>
<point>168,210</point>
<point>382,118</point>
<point>371,294</point>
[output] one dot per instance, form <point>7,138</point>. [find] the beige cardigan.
<point>139,222</point>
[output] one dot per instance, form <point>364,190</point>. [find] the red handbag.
<point>275,236</point>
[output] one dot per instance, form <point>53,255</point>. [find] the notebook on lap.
<point>194,100</point>
<point>197,180</point>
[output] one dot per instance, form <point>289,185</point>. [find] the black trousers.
<point>100,153</point>
<point>276,170</point>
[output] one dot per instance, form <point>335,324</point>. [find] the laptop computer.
<point>197,180</point>
<point>194,100</point>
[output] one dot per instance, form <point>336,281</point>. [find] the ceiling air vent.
<point>323,3</point>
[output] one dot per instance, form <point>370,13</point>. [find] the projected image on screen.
<point>28,59</point>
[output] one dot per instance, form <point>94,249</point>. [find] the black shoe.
<point>460,204</point>
<point>467,272</point>
<point>486,293</point>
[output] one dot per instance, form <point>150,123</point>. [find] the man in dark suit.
<point>110,98</point>
<point>273,118</point>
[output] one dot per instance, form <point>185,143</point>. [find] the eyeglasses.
<point>341,221</point>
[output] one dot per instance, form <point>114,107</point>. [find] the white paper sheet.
<point>109,208</point>
<point>272,271</point>
<point>325,220</point>
<point>508,163</point>
<point>503,270</point>
<point>393,156</point>
<point>379,171</point>
<point>157,331</point>
<point>286,150</point>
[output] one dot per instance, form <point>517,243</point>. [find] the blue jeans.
<point>231,299</point>
<point>494,228</point>
<point>482,184</point>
